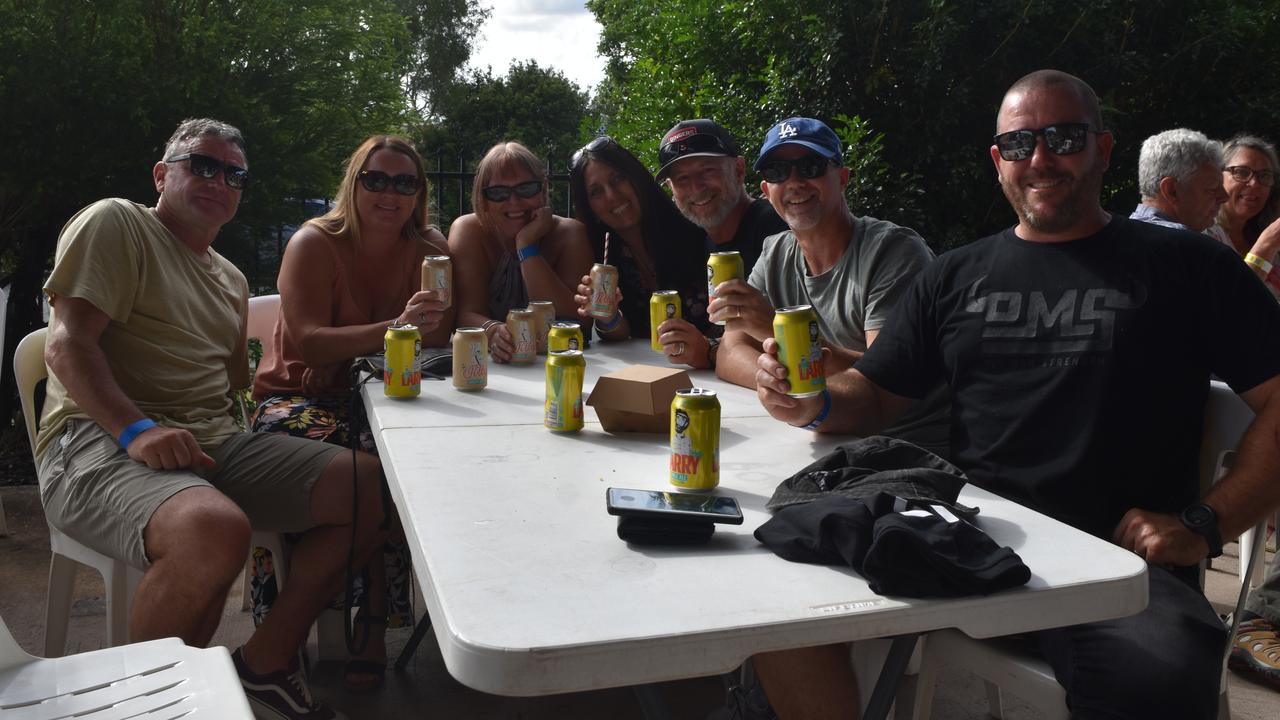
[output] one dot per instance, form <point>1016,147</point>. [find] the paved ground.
<point>425,689</point>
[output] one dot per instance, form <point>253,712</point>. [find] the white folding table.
<point>531,592</point>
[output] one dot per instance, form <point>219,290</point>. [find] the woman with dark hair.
<point>512,249</point>
<point>634,226</point>
<point>1247,221</point>
<point>344,278</point>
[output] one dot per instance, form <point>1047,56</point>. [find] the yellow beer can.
<point>562,411</point>
<point>401,372</point>
<point>437,274</point>
<point>663,305</point>
<point>722,267</point>
<point>520,323</point>
<point>564,335</point>
<point>470,358</point>
<point>796,330</point>
<point>695,439</point>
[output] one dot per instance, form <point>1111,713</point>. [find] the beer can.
<point>523,338</point>
<point>563,409</point>
<point>796,330</point>
<point>663,305</point>
<point>544,313</point>
<point>437,274</point>
<point>564,335</point>
<point>695,439</point>
<point>401,372</point>
<point>721,267</point>
<point>470,358</point>
<point>604,291</point>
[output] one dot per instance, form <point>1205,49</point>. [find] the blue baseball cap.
<point>807,132</point>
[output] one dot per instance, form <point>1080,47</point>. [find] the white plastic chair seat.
<point>156,679</point>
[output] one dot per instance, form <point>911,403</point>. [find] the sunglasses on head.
<point>1061,139</point>
<point>593,146</point>
<point>236,178</point>
<point>1243,173</point>
<point>499,193</point>
<point>809,167</point>
<point>377,181</point>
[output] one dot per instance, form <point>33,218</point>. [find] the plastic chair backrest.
<point>29,371</point>
<point>11,653</point>
<point>263,310</point>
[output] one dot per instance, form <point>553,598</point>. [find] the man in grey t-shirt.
<point>852,270</point>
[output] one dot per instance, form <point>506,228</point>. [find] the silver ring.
<point>683,347</point>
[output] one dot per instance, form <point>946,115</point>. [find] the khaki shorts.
<point>98,495</point>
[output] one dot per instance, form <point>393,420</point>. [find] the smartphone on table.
<point>673,505</point>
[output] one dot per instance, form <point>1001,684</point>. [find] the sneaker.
<point>1256,653</point>
<point>281,695</point>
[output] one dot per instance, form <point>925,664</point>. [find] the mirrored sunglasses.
<point>1243,173</point>
<point>809,167</point>
<point>236,178</point>
<point>499,193</point>
<point>580,156</point>
<point>377,181</point>
<point>1061,139</point>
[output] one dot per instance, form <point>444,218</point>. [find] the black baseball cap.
<point>694,138</point>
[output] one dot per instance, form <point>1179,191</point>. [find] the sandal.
<point>1256,653</point>
<point>360,675</point>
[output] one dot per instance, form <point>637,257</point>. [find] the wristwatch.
<point>1203,521</point>
<point>713,347</point>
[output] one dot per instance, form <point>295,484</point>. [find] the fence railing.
<point>451,191</point>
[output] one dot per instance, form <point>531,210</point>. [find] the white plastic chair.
<point>156,679</point>
<point>119,579</point>
<point>1009,664</point>
<point>261,324</point>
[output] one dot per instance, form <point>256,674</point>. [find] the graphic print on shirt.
<point>1061,327</point>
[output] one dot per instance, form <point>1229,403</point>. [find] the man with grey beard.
<point>704,168</point>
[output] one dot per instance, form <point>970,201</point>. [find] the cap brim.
<point>662,172</point>
<point>824,152</point>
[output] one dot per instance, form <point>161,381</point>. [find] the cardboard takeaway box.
<point>637,398</point>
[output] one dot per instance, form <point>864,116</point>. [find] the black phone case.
<point>664,531</point>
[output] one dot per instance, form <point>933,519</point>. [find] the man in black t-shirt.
<point>703,166</point>
<point>1078,347</point>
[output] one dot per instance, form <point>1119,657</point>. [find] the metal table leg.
<point>895,665</point>
<point>651,703</point>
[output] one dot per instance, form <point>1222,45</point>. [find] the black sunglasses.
<point>1242,174</point>
<point>580,157</point>
<point>499,193</point>
<point>236,178</point>
<point>376,181</point>
<point>1061,139</point>
<point>809,166</point>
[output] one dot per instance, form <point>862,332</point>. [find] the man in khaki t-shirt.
<point>138,456</point>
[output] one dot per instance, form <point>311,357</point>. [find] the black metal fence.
<point>451,191</point>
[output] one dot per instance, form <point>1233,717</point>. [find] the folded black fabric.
<point>898,554</point>
<point>876,464</point>
<point>664,531</point>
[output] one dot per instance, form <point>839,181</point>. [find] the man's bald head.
<point>1042,80</point>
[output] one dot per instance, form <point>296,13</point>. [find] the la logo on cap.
<point>786,130</point>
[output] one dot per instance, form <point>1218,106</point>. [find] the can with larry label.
<point>562,411</point>
<point>564,335</point>
<point>437,274</point>
<point>796,330</point>
<point>721,267</point>
<point>695,439</point>
<point>523,341</point>
<point>544,313</point>
<point>663,305</point>
<point>604,291</point>
<point>401,372</point>
<point>470,358</point>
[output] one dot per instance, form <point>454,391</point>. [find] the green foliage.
<point>929,74</point>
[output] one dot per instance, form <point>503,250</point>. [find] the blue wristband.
<point>822,414</point>
<point>527,252</point>
<point>610,324</point>
<point>133,430</point>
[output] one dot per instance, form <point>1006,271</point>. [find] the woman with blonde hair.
<point>512,249</point>
<point>344,279</point>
